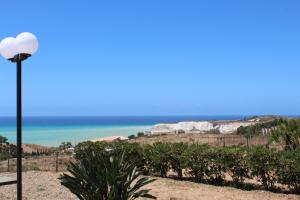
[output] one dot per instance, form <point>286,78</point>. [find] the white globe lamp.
<point>8,47</point>
<point>26,43</point>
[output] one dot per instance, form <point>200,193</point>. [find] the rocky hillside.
<point>223,127</point>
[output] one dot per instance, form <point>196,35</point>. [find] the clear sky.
<point>155,57</point>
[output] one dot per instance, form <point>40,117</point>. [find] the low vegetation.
<point>211,164</point>
<point>7,150</point>
<point>257,129</point>
<point>287,133</point>
<point>104,174</point>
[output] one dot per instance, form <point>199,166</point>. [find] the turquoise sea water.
<point>51,131</point>
<point>54,135</point>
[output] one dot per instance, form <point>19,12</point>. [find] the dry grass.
<point>210,139</point>
<point>38,163</point>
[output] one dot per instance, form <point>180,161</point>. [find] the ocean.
<point>51,131</point>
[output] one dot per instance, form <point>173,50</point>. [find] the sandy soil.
<point>45,186</point>
<point>210,139</point>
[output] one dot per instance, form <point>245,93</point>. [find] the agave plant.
<point>105,176</point>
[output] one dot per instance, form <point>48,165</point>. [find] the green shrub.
<point>206,163</point>
<point>288,171</point>
<point>7,150</point>
<point>197,161</point>
<point>159,158</point>
<point>133,152</point>
<point>216,164</point>
<point>140,134</point>
<point>147,154</point>
<point>177,158</point>
<point>235,163</point>
<point>83,147</point>
<point>131,137</point>
<point>263,163</point>
<point>287,134</point>
<point>104,175</point>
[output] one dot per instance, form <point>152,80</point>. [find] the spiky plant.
<point>105,176</point>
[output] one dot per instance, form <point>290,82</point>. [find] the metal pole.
<point>19,130</point>
<point>8,165</point>
<point>56,163</point>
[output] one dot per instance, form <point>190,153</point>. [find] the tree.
<point>131,137</point>
<point>3,140</point>
<point>105,176</point>
<point>7,150</point>
<point>65,145</point>
<point>140,134</point>
<point>287,133</point>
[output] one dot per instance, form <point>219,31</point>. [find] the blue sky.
<point>158,57</point>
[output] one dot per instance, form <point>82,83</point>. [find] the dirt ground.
<point>210,139</point>
<point>45,186</point>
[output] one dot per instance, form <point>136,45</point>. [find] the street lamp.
<point>16,50</point>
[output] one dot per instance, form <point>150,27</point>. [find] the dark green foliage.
<point>197,161</point>
<point>104,175</point>
<point>158,156</point>
<point>207,164</point>
<point>216,164</point>
<point>288,171</point>
<point>83,147</point>
<point>65,145</point>
<point>235,163</point>
<point>140,134</point>
<point>263,163</point>
<point>177,159</point>
<point>287,133</point>
<point>134,152</point>
<point>7,150</point>
<point>131,137</point>
<point>3,140</point>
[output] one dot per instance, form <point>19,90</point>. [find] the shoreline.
<point>52,136</point>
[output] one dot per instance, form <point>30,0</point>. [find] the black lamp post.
<point>17,50</point>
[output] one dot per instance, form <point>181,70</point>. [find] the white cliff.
<point>198,127</point>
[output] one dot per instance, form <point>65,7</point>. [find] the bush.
<point>263,163</point>
<point>288,171</point>
<point>7,150</point>
<point>104,175</point>
<point>133,153</point>
<point>216,164</point>
<point>140,134</point>
<point>83,147</point>
<point>204,163</point>
<point>235,163</point>
<point>177,158</point>
<point>197,161</point>
<point>287,134</point>
<point>131,137</point>
<point>159,158</point>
